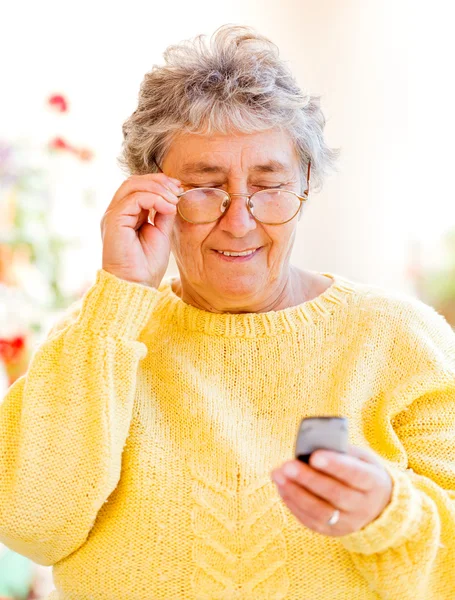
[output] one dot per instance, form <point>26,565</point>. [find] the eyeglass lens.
<point>269,206</point>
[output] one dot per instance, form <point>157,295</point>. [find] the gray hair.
<point>236,82</point>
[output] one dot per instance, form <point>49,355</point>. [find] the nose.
<point>237,220</point>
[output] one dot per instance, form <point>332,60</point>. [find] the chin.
<point>238,288</point>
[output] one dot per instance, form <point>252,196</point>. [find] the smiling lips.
<point>233,253</point>
<point>233,256</point>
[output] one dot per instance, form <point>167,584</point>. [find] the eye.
<point>204,185</point>
<point>268,187</point>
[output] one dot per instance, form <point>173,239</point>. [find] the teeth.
<point>236,253</point>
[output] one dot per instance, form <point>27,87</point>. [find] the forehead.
<point>268,151</point>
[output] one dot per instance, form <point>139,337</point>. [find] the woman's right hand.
<point>133,248</point>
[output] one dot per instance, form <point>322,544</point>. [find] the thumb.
<point>165,223</point>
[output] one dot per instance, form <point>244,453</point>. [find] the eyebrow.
<point>202,168</point>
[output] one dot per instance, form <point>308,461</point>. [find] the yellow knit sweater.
<point>135,454</point>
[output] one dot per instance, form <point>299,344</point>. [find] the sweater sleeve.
<point>63,425</point>
<point>408,552</point>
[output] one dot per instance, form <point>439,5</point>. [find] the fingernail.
<point>291,470</point>
<point>320,461</point>
<point>279,479</point>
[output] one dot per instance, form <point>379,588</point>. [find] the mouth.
<point>244,256</point>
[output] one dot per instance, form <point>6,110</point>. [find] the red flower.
<point>60,144</point>
<point>11,349</point>
<point>58,103</point>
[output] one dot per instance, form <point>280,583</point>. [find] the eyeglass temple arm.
<point>308,178</point>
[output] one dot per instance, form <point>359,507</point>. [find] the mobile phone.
<point>317,433</point>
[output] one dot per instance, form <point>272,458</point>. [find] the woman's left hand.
<point>355,483</point>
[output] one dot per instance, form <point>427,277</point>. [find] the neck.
<point>293,289</point>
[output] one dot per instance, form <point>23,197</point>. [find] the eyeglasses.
<point>273,206</point>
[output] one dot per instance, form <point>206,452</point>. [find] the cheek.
<point>187,241</point>
<point>282,239</point>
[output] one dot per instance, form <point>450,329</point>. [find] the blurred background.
<point>70,75</point>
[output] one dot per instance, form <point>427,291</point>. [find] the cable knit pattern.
<point>135,454</point>
<point>239,549</point>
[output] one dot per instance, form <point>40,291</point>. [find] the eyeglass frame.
<point>302,199</point>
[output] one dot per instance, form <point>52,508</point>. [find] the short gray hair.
<point>235,82</point>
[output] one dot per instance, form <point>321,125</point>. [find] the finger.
<point>307,503</point>
<point>165,223</point>
<point>142,218</point>
<point>333,491</point>
<point>319,525</point>
<point>169,184</point>
<point>347,469</point>
<point>138,210</point>
<point>139,201</point>
<point>341,528</point>
<point>167,189</point>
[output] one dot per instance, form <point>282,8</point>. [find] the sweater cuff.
<point>397,523</point>
<point>117,308</point>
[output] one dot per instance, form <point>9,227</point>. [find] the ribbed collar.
<point>251,325</point>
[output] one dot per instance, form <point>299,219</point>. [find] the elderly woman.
<point>148,451</point>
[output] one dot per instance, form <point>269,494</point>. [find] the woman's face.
<point>242,163</point>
